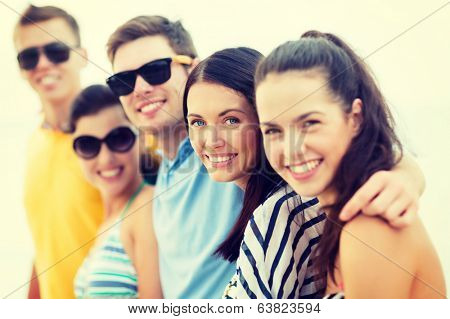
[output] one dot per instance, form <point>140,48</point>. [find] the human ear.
<point>356,118</point>
<point>193,64</point>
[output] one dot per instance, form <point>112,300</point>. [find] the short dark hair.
<point>35,14</point>
<point>179,39</point>
<point>90,101</point>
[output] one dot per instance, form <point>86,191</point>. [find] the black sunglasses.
<point>154,72</point>
<point>119,140</point>
<point>56,52</point>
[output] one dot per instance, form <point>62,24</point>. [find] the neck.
<point>242,182</point>
<point>170,140</point>
<point>56,113</point>
<point>327,197</point>
<point>114,204</point>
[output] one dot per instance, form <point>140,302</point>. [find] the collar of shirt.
<point>184,151</point>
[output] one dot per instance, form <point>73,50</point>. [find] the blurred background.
<point>412,67</point>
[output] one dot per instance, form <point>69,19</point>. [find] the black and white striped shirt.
<point>275,255</point>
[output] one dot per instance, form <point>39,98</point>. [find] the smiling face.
<point>155,106</point>
<point>305,131</point>
<point>111,172</point>
<point>223,129</point>
<point>53,82</point>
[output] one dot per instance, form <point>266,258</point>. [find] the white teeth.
<point>151,107</point>
<point>305,167</point>
<point>49,79</point>
<point>221,159</point>
<point>110,173</point>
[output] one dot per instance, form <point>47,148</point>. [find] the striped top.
<point>336,295</point>
<point>108,272</point>
<point>275,255</point>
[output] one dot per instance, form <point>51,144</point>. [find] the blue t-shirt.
<point>192,215</point>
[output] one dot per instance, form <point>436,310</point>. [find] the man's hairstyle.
<point>179,39</point>
<point>34,14</point>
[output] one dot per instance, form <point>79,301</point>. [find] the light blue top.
<point>192,215</point>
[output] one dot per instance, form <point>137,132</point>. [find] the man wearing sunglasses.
<point>151,58</point>
<point>63,210</point>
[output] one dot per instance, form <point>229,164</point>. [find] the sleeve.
<point>274,259</point>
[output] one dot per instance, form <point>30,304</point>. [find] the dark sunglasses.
<point>154,72</point>
<point>119,140</point>
<point>56,52</point>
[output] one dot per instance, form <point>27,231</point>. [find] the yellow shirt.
<point>64,211</point>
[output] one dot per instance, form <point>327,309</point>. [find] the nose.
<point>43,62</point>
<point>142,87</point>
<point>295,144</point>
<point>213,138</point>
<point>105,156</point>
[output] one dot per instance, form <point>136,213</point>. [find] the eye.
<point>232,121</point>
<point>271,131</point>
<point>309,123</point>
<point>198,123</point>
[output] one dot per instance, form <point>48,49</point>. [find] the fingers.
<point>406,218</point>
<point>364,196</point>
<point>396,208</point>
<point>381,203</point>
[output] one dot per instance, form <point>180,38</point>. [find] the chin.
<point>306,190</point>
<point>222,178</point>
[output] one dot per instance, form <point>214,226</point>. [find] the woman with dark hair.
<point>223,128</point>
<point>277,229</point>
<point>123,263</point>
<point>327,129</point>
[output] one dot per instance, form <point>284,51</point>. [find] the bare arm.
<point>145,254</point>
<point>33,290</point>
<point>392,194</point>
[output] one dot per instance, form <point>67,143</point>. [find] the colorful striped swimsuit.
<point>108,272</point>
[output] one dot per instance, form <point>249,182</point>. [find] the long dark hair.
<point>375,146</point>
<point>234,68</point>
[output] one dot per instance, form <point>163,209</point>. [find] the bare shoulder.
<point>376,229</point>
<point>365,234</point>
<point>140,212</point>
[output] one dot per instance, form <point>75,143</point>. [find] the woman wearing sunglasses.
<point>318,92</point>
<point>123,262</point>
<point>277,229</point>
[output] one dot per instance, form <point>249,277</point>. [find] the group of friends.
<point>266,177</point>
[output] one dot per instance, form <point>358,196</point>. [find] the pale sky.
<point>411,64</point>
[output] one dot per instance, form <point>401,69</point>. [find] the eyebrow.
<point>220,114</point>
<point>195,115</point>
<point>304,116</point>
<point>230,110</point>
<point>297,119</point>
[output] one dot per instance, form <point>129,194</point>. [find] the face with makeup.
<point>305,130</point>
<point>113,173</point>
<point>223,129</point>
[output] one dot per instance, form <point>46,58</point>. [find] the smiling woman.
<point>346,135</point>
<point>124,260</point>
<point>269,242</point>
